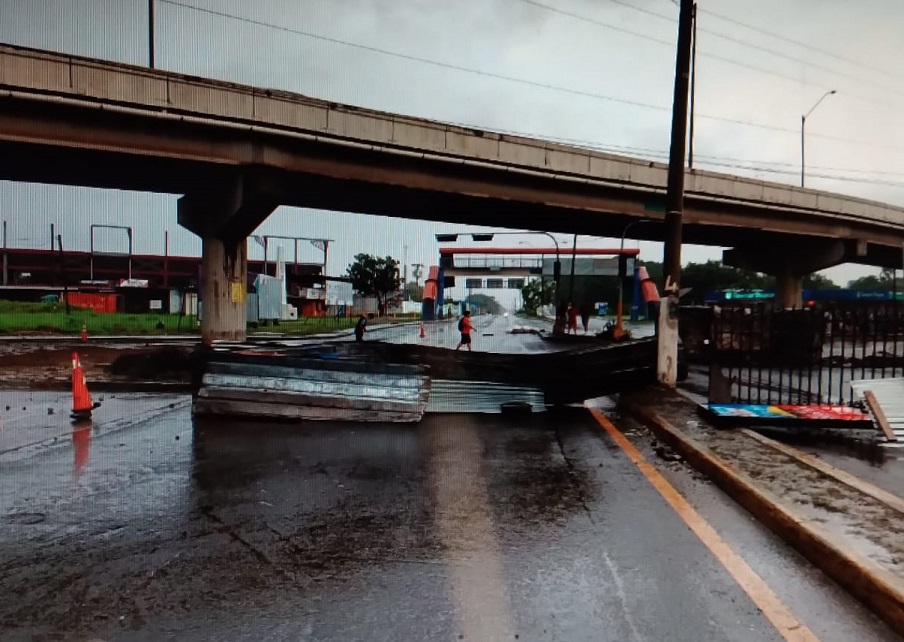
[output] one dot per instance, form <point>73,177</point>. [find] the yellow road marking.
<point>759,592</point>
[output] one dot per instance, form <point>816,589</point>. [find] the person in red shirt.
<point>572,319</point>
<point>465,327</point>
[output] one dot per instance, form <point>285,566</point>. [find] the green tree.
<point>713,275</point>
<point>536,293</point>
<point>374,276</point>
<point>818,281</point>
<point>484,303</point>
<point>654,270</point>
<point>413,291</point>
<point>871,282</point>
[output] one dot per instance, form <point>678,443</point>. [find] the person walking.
<point>360,328</point>
<point>572,319</point>
<point>465,327</point>
<point>585,317</point>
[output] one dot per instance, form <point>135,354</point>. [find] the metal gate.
<point>760,353</point>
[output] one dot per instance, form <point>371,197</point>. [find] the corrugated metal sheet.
<point>890,395</point>
<point>321,391</point>
<point>448,396</point>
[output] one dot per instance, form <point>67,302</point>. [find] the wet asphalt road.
<point>465,527</point>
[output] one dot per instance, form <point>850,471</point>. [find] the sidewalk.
<point>845,526</point>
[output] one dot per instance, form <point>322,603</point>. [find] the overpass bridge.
<point>515,261</point>
<point>237,152</point>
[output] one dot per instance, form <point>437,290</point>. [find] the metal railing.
<point>506,262</point>
<point>771,355</point>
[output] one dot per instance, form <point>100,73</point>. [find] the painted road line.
<point>759,592</point>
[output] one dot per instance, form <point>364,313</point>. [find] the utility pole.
<point>574,254</point>
<point>63,270</point>
<point>690,141</point>
<point>667,354</point>
<point>5,261</point>
<point>151,33</point>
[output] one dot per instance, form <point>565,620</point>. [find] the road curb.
<point>889,499</point>
<point>865,580</point>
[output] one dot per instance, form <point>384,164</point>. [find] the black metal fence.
<point>763,354</point>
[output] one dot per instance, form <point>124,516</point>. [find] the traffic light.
<point>556,270</point>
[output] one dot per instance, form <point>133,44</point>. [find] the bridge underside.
<point>63,144</point>
<point>231,176</point>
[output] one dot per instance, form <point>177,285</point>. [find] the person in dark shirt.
<point>360,328</point>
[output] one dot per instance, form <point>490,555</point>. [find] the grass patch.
<point>23,318</point>
<point>51,318</point>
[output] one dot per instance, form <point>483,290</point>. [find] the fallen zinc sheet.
<point>313,389</point>
<point>449,396</point>
<point>885,400</point>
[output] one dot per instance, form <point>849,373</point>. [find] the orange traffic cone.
<point>84,332</point>
<point>81,398</point>
<point>422,331</point>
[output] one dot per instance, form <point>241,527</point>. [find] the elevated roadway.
<point>237,152</point>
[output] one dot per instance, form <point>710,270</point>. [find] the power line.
<point>720,57</point>
<point>765,32</point>
<point>512,79</point>
<point>741,163</point>
<point>600,23</point>
<point>802,61</point>
<point>427,61</point>
<point>798,43</point>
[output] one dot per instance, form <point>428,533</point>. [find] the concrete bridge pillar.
<point>224,219</point>
<point>789,289</point>
<point>789,263</point>
<point>223,290</point>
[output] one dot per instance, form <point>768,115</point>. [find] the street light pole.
<point>803,124</point>
<point>619,330</point>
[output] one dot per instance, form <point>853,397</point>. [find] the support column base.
<point>224,270</point>
<point>667,342</point>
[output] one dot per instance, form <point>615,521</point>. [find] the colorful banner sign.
<point>786,411</point>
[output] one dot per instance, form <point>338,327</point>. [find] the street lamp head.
<point>832,92</point>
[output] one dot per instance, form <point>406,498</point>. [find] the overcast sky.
<point>753,84</point>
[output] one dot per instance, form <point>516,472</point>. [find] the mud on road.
<point>37,366</point>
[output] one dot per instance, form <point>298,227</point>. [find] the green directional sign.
<point>748,295</point>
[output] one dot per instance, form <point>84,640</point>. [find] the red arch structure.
<point>564,253</point>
